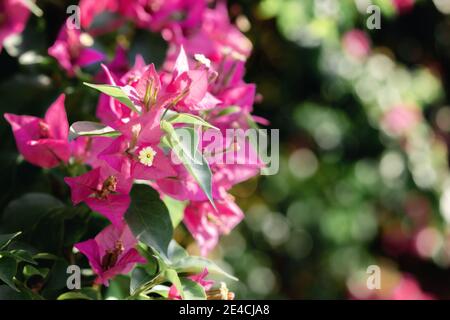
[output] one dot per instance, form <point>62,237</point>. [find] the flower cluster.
<point>201,79</point>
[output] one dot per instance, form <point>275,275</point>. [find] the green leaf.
<point>172,276</point>
<point>189,119</point>
<point>57,279</point>
<point>163,291</point>
<point>5,239</point>
<point>115,92</point>
<point>25,212</point>
<point>192,290</point>
<point>194,265</point>
<point>8,269</point>
<point>91,129</point>
<point>228,110</point>
<point>29,271</point>
<point>176,252</point>
<point>139,277</point>
<point>19,255</point>
<point>149,218</point>
<point>192,159</point>
<point>176,209</point>
<point>75,295</point>
<point>6,293</point>
<point>45,256</point>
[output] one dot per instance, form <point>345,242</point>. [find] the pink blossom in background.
<point>400,119</point>
<point>104,191</point>
<point>206,224</point>
<point>153,15</point>
<point>43,142</point>
<point>403,6</point>
<point>356,43</point>
<point>157,14</point>
<point>111,252</point>
<point>89,9</point>
<point>71,50</point>
<point>14,15</point>
<point>199,278</point>
<point>409,289</point>
<point>216,39</point>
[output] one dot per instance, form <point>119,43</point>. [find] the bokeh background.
<point>364,121</point>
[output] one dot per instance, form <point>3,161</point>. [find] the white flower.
<point>146,156</point>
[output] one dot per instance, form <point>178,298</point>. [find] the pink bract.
<point>111,252</point>
<point>72,52</point>
<point>43,142</point>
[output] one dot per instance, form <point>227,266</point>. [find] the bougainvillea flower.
<point>72,51</point>
<point>43,142</point>
<point>111,252</point>
<point>104,191</point>
<point>144,92</point>
<point>199,278</point>
<point>206,224</point>
<point>136,153</point>
<point>216,38</point>
<point>14,15</point>
<point>189,87</point>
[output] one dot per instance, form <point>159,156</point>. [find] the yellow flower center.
<point>146,156</point>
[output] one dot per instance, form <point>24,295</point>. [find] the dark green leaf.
<point>6,293</point>
<point>25,212</point>
<point>19,255</point>
<point>5,239</point>
<point>149,218</point>
<point>8,269</point>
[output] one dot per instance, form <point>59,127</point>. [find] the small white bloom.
<point>146,156</point>
<point>203,60</point>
